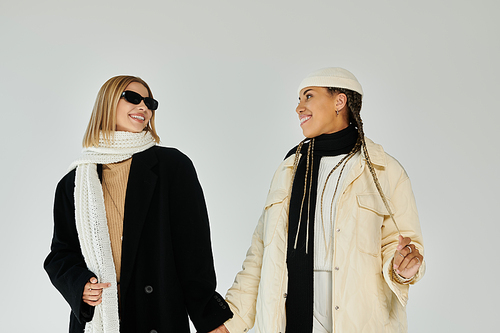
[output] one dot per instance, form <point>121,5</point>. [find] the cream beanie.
<point>334,77</point>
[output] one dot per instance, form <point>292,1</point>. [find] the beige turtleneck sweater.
<point>114,183</point>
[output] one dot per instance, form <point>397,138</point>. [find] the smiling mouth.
<point>138,118</point>
<point>304,119</point>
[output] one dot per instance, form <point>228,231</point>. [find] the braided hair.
<point>354,102</point>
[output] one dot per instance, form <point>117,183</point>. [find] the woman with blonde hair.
<point>339,240</point>
<point>131,250</point>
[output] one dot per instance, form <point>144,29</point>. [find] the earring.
<point>337,112</point>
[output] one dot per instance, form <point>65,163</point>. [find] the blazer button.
<point>149,290</point>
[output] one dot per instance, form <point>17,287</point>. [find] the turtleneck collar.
<point>333,144</point>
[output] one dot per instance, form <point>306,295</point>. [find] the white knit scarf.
<point>91,222</point>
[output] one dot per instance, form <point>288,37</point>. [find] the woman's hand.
<point>92,292</point>
<point>220,329</point>
<point>407,259</point>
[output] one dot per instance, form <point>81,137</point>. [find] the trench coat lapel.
<point>140,189</point>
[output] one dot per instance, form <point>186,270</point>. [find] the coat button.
<point>338,230</point>
<point>337,268</point>
<point>336,307</point>
<point>148,290</point>
<point>285,295</point>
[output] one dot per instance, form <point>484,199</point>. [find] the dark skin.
<point>407,258</point>
<point>328,113</point>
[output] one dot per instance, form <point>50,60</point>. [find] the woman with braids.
<point>131,250</point>
<point>339,240</point>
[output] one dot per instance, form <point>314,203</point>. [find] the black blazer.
<point>167,267</point>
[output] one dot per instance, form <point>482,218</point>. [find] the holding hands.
<point>407,258</point>
<point>92,292</point>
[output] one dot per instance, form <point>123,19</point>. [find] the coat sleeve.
<point>193,250</point>
<point>65,264</point>
<point>406,216</point>
<point>242,296</point>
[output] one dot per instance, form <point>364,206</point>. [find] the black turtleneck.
<point>333,144</point>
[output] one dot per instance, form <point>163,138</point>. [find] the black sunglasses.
<point>135,98</point>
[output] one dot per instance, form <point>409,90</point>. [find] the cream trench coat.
<point>365,297</point>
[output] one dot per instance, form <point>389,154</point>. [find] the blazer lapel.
<point>140,189</point>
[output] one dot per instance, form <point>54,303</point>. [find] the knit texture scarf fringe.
<point>91,221</point>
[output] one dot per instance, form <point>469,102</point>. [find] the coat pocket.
<point>371,214</point>
<point>274,217</point>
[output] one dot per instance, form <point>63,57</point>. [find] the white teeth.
<point>303,120</point>
<point>139,117</point>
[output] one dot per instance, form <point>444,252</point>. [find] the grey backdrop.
<point>226,73</point>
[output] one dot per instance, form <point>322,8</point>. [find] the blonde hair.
<point>103,118</point>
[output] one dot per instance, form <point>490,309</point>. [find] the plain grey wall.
<point>226,73</point>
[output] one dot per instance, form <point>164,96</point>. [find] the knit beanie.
<point>334,77</point>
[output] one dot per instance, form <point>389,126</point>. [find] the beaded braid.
<point>294,171</point>
<point>310,154</point>
<point>354,103</point>
<point>309,149</point>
